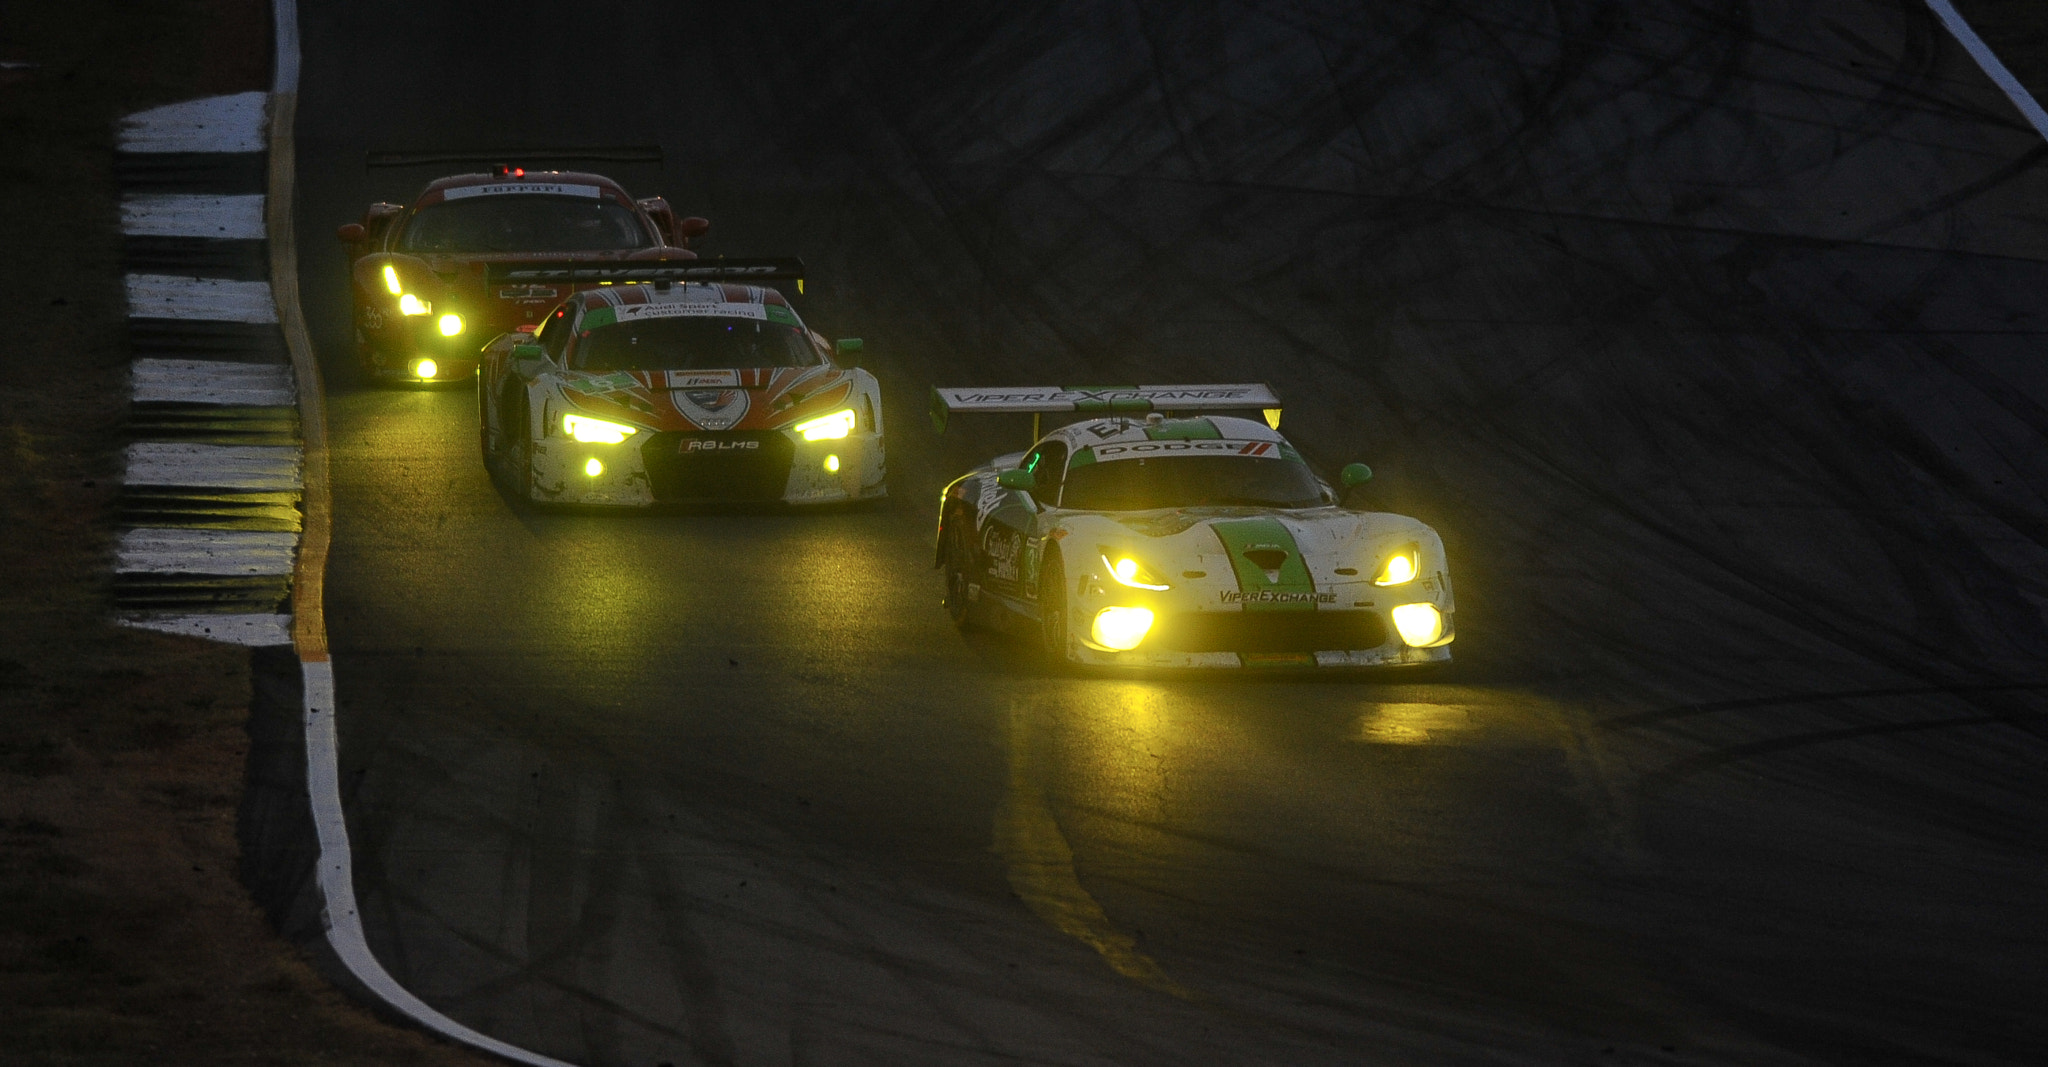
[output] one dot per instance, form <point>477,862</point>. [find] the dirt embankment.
<point>125,936</point>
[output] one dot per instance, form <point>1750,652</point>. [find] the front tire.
<point>1052,611</point>
<point>958,561</point>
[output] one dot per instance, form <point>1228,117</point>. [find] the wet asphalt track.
<point>1710,338</point>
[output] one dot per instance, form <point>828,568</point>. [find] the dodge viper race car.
<point>1141,540</point>
<point>682,386</point>
<point>424,302</point>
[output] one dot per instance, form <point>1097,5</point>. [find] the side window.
<point>554,334</point>
<point>1048,465</point>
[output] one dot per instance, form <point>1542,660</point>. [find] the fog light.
<point>1120,629</point>
<point>1419,625</point>
<point>593,466</point>
<point>412,305</point>
<point>451,325</point>
<point>424,368</point>
<point>832,464</point>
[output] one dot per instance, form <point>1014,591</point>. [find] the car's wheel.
<point>366,359</point>
<point>958,563</point>
<point>515,456</point>
<point>1052,610</point>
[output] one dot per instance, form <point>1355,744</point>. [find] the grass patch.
<point>124,935</point>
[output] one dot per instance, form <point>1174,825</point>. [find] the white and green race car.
<point>1156,536</point>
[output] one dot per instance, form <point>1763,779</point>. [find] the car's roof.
<point>533,182</point>
<point>630,298</point>
<point>1090,432</point>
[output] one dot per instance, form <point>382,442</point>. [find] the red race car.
<point>425,302</point>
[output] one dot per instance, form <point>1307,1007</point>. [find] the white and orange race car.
<point>680,382</point>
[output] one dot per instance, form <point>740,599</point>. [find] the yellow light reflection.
<point>1413,724</point>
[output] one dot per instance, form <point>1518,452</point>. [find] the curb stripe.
<point>193,215</point>
<point>214,124</point>
<point>206,381</point>
<point>1988,62</point>
<point>168,296</point>
<point>250,467</point>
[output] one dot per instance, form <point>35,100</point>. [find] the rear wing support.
<point>1103,400</point>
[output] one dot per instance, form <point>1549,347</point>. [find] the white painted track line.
<point>215,124</point>
<point>167,296</point>
<point>224,552</point>
<point>253,468</point>
<point>255,631</point>
<point>1988,61</point>
<point>205,381</point>
<point>184,215</point>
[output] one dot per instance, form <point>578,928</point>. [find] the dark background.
<point>1707,336</point>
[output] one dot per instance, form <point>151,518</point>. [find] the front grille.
<point>739,466</point>
<point>1268,631</point>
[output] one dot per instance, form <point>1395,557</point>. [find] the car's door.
<point>1010,529</point>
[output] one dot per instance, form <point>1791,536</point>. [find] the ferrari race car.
<point>1153,536</point>
<point>424,302</point>
<point>679,384</point>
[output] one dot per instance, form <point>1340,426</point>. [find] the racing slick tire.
<point>514,469</point>
<point>958,555</point>
<point>1052,612</point>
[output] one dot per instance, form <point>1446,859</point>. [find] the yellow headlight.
<point>827,427</point>
<point>1399,567</point>
<point>391,280</point>
<point>591,431</point>
<point>1120,629</point>
<point>424,368</point>
<point>593,466</point>
<point>412,305</point>
<point>832,464</point>
<point>1130,572</point>
<point>450,325</point>
<point>1419,624</point>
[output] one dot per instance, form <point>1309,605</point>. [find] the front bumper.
<point>1188,631</point>
<point>731,467</point>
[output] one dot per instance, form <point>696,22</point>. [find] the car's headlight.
<point>451,325</point>
<point>1420,625</point>
<point>1401,567</point>
<point>409,304</point>
<point>391,280</point>
<point>596,431</point>
<point>1120,629</point>
<point>1126,569</point>
<point>826,427</point>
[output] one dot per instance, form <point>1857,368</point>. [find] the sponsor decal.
<point>703,379</point>
<point>991,497</point>
<point>1001,546</point>
<point>1274,596</point>
<point>698,444</point>
<point>523,189</point>
<point>1251,396</point>
<point>529,294</point>
<point>609,383</point>
<point>690,308</point>
<point>1221,446</point>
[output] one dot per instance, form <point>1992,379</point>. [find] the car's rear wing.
<point>1103,400</point>
<point>644,272</point>
<point>527,155</point>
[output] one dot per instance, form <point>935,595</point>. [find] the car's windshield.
<point>1190,481</point>
<point>524,223</point>
<point>693,343</point>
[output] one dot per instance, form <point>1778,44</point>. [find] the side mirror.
<point>1355,474</point>
<point>1019,479</point>
<point>847,351</point>
<point>527,359</point>
<point>352,233</point>
<point>693,227</point>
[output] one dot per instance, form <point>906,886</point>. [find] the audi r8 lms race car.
<point>680,387</point>
<point>1153,536</point>
<point>424,304</point>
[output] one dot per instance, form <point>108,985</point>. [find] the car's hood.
<point>761,398</point>
<point>1258,556</point>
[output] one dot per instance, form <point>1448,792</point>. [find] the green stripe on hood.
<point>1290,588</point>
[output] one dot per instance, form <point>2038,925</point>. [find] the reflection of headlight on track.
<point>1419,625</point>
<point>412,305</point>
<point>591,431</point>
<point>450,325</point>
<point>425,368</point>
<point>826,427</point>
<point>1120,629</point>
